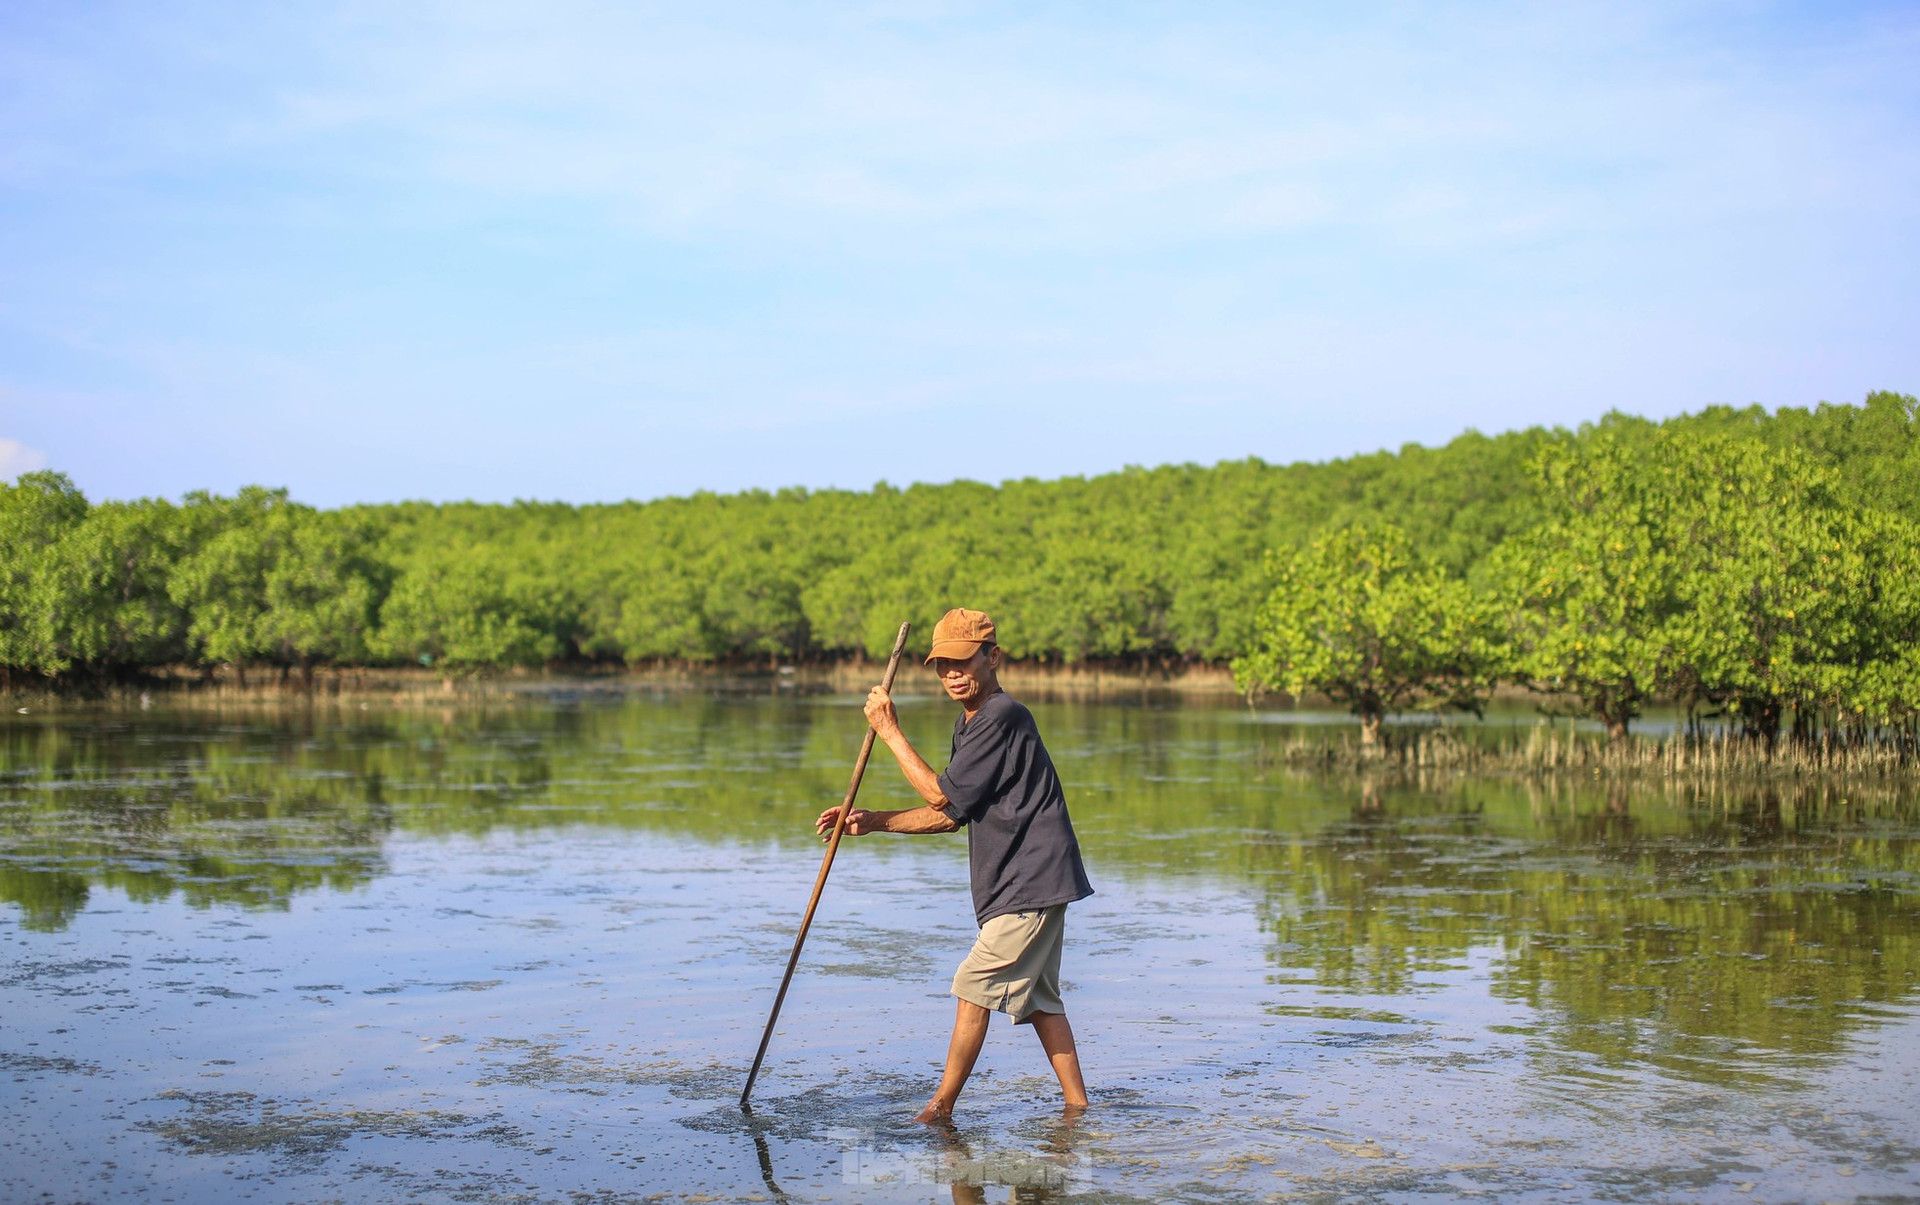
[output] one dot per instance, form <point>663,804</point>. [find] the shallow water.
<point>524,953</point>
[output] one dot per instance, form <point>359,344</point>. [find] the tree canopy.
<point>1762,564</point>
<point>1356,616</point>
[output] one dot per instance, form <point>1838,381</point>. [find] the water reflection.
<point>764,1154</point>
<point>1711,937</point>
<point>1048,1169</point>
<point>1708,934</point>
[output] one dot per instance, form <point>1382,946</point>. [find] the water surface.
<point>524,953</point>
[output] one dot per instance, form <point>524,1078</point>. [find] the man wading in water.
<point>1024,860</point>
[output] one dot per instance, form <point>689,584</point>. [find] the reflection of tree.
<point>251,810</point>
<point>227,824</point>
<point>250,806</point>
<point>48,899</point>
<point>1664,934</point>
<point>1647,926</point>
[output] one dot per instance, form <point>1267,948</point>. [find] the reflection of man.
<point>1038,1176</point>
<point>1024,860</point>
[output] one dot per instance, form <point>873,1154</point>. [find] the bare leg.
<point>969,1034</point>
<point>1056,1037</point>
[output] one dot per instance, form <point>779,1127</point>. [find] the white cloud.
<point>17,458</point>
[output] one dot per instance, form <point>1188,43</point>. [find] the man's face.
<point>969,679</point>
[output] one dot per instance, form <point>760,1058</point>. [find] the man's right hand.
<point>880,713</point>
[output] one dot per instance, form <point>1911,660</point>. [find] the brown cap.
<point>959,634</point>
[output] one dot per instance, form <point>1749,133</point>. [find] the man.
<point>1023,859</point>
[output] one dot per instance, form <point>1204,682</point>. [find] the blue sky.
<point>598,251</point>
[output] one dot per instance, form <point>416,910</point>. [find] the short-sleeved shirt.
<point>1001,785</point>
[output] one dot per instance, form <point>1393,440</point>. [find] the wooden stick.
<point>826,864</point>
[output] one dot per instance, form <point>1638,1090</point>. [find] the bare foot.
<point>936,1114</point>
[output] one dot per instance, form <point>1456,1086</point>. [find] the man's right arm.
<point>920,776</point>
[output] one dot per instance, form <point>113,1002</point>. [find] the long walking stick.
<point>826,864</point>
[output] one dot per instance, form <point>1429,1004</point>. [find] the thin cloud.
<point>767,130</point>
<point>410,243</point>
<point>17,458</point>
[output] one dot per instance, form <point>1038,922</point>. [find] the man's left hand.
<point>859,822</point>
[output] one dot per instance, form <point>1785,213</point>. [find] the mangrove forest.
<point>1759,566</point>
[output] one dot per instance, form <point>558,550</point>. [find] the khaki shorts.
<point>1014,966</point>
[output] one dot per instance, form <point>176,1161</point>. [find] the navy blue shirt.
<point>1001,785</point>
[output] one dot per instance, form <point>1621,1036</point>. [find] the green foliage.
<point>467,608</point>
<point>1587,593</point>
<point>1874,677</point>
<point>324,591</point>
<point>272,580</point>
<point>1771,568</point>
<point>37,598</point>
<point>1874,447</point>
<point>1756,565</point>
<point>250,578</point>
<point>1705,566</point>
<point>222,581</point>
<point>110,572</point>
<point>1356,616</point>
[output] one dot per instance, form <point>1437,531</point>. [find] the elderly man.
<point>1024,860</point>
